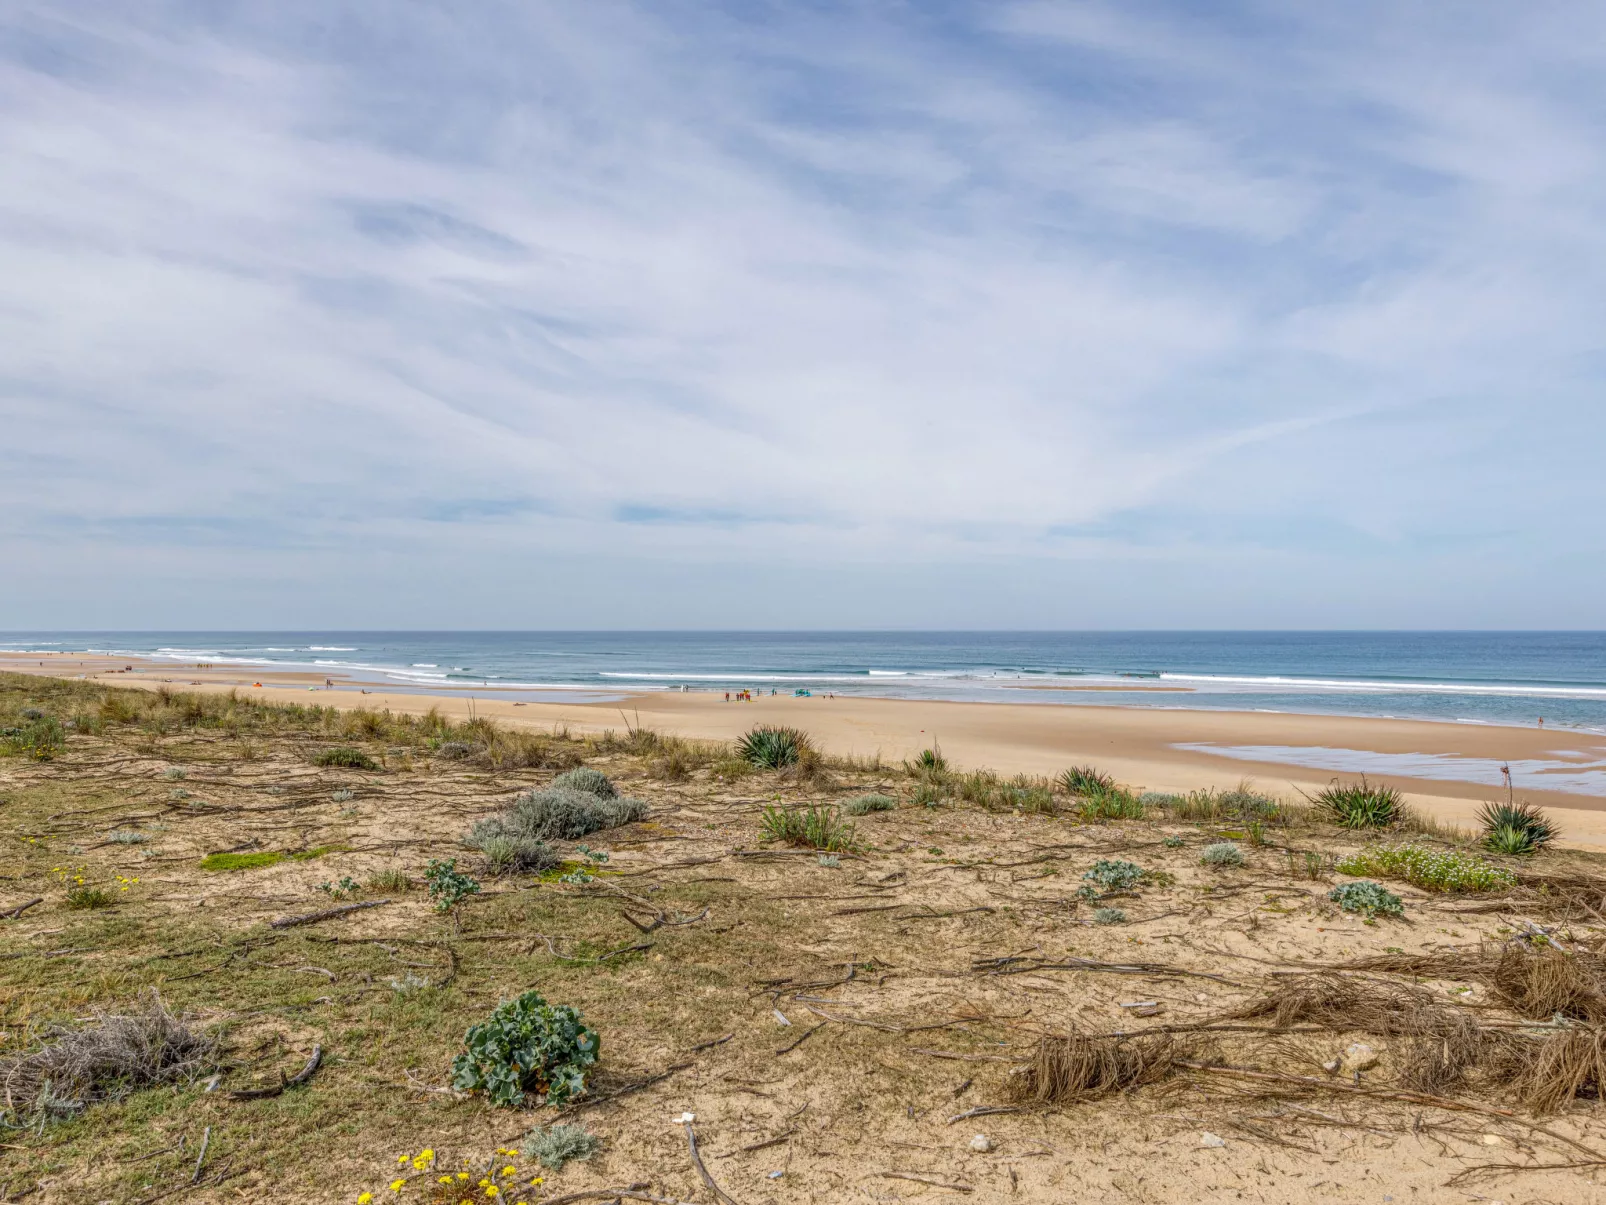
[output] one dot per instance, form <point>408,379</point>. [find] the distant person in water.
<point>727,696</point>
<point>1541,721</point>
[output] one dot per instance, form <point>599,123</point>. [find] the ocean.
<point>1467,677</point>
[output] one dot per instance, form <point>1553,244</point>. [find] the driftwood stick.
<point>588,1102</point>
<point>708,1180</point>
<point>758,1146</point>
<point>984,1111</point>
<point>295,1081</point>
<point>931,1180</point>
<point>636,1192</point>
<point>311,918</point>
<point>11,913</point>
<point>206,1141</point>
<point>801,1038</point>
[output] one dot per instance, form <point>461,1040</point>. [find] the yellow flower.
<point>397,1185</point>
<point>492,1191</point>
<point>485,1183</point>
<point>510,1170</point>
<point>537,1180</point>
<point>462,1175</point>
<point>444,1180</point>
<point>401,1158</point>
<point>364,1198</point>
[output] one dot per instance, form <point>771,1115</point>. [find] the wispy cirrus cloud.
<point>1053,285</point>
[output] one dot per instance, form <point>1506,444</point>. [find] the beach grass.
<point>678,949</point>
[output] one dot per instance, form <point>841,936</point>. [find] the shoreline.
<point>1162,749</point>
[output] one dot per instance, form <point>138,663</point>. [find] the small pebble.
<point>1491,1140</point>
<point>1212,1140</point>
<point>981,1143</point>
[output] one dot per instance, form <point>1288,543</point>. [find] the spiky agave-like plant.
<point>1515,828</point>
<point>1360,804</point>
<point>773,748</point>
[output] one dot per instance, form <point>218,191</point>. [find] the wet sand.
<point>1159,749</point>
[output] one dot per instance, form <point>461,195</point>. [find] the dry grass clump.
<point>1538,983</point>
<point>1546,982</point>
<point>813,827</point>
<point>1439,1044</point>
<point>1078,1066</point>
<point>1579,896</point>
<point>1546,1075</point>
<point>115,1055</point>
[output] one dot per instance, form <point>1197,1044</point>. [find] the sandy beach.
<point>1160,749</point>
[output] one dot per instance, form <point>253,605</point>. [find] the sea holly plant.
<point>1368,898</point>
<point>594,859</point>
<point>527,1047</point>
<point>447,886</point>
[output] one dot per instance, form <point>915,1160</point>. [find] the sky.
<point>1007,314</point>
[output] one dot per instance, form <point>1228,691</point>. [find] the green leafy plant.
<point>342,890</point>
<point>345,756</point>
<point>1429,869</point>
<point>1115,874</point>
<point>84,897</point>
<point>342,795</point>
<point>928,794</point>
<point>126,836</point>
<point>814,827</point>
<point>1515,828</point>
<point>774,748</point>
<point>174,774</point>
<point>527,1046</point>
<point>447,885</point>
<point>1109,916</point>
<point>40,736</point>
<point>865,804</point>
<point>559,1144</point>
<point>1360,804</point>
<point>582,874</point>
<point>587,779</point>
<point>1221,855</point>
<point>1171,842</point>
<point>1367,897</point>
<point>928,761</point>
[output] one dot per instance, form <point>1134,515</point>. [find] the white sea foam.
<point>1376,687</point>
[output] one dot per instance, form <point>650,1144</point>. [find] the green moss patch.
<point>242,861</point>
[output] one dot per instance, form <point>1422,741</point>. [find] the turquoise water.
<point>1471,677</point>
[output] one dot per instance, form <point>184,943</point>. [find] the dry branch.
<point>311,918</point>
<point>708,1180</point>
<point>300,1077</point>
<point>935,1183</point>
